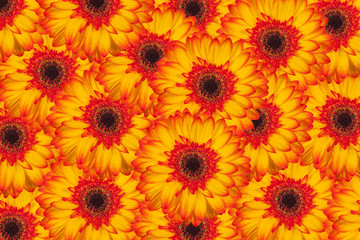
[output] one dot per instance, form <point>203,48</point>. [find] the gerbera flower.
<point>207,13</point>
<point>18,30</point>
<point>342,24</point>
<point>139,61</point>
<point>286,36</point>
<point>288,205</point>
<point>276,137</point>
<point>210,75</point>
<point>18,218</point>
<point>157,225</point>
<point>34,81</point>
<point>334,146</point>
<point>99,131</point>
<point>78,207</point>
<point>191,166</point>
<point>343,210</point>
<point>81,23</point>
<point>24,153</point>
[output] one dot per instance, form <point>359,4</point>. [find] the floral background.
<point>179,119</point>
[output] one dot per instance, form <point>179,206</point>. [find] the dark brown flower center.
<point>336,22</point>
<point>107,121</point>
<point>12,138</point>
<point>193,8</point>
<point>274,42</point>
<point>344,120</point>
<point>259,124</point>
<point>7,7</point>
<point>150,54</point>
<point>289,201</point>
<point>190,232</point>
<point>52,74</point>
<point>210,87</point>
<point>97,202</point>
<point>97,7</point>
<point>192,165</point>
<point>11,229</point>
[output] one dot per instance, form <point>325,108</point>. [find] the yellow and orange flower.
<point>214,76</point>
<point>34,81</point>
<point>286,36</point>
<point>277,136</point>
<point>137,65</point>
<point>18,218</point>
<point>342,24</point>
<point>24,153</point>
<point>157,225</point>
<point>334,147</point>
<point>344,208</point>
<point>191,167</point>
<point>77,207</point>
<point>286,206</point>
<point>99,131</point>
<point>81,23</point>
<point>18,27</point>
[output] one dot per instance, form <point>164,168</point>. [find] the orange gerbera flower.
<point>335,137</point>
<point>99,131</point>
<point>18,30</point>
<point>289,205</point>
<point>214,76</point>
<point>286,36</point>
<point>77,207</point>
<point>81,23</point>
<point>342,24</point>
<point>277,136</point>
<point>34,81</point>
<point>24,153</point>
<point>190,166</point>
<point>18,218</point>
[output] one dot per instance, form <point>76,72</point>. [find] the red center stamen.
<point>9,10</point>
<point>50,71</point>
<point>193,164</point>
<point>289,200</point>
<point>275,41</point>
<point>206,230</point>
<point>342,118</point>
<point>97,200</point>
<point>108,121</point>
<point>211,86</point>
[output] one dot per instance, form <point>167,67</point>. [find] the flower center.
<point>16,224</point>
<point>275,41</point>
<point>194,8</point>
<point>12,229</point>
<point>190,232</point>
<point>8,10</point>
<point>289,200</point>
<point>50,70</point>
<point>96,8</point>
<point>342,120</point>
<point>343,21</point>
<point>211,86</point>
<point>107,121</point>
<point>150,54</point>
<point>336,23</point>
<point>193,164</point>
<point>13,137</point>
<point>267,123</point>
<point>97,200</point>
